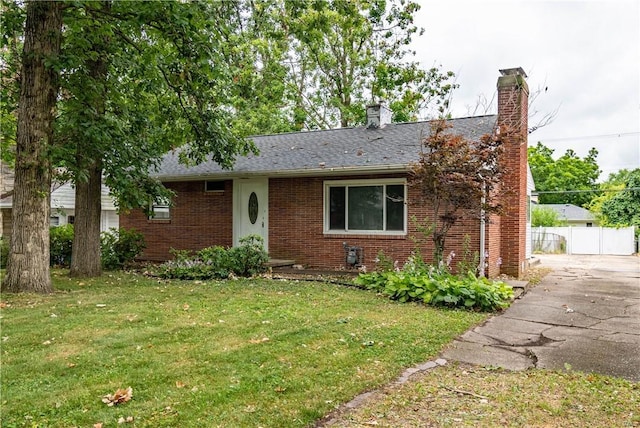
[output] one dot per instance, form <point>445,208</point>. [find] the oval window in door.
<point>253,207</point>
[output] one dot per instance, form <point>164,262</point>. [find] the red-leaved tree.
<point>457,178</point>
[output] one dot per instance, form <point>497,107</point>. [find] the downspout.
<point>481,269</point>
<point>482,235</point>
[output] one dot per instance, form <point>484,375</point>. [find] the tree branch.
<point>459,391</point>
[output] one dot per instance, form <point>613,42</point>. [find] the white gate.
<point>590,240</point>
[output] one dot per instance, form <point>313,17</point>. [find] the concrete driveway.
<point>584,316</point>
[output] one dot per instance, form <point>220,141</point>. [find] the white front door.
<point>251,209</point>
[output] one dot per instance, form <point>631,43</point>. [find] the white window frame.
<point>159,210</point>
<point>363,182</point>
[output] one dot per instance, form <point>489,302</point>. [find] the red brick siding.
<point>199,219</point>
<point>296,229</point>
<point>512,112</point>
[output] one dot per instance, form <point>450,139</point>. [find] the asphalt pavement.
<point>583,316</point>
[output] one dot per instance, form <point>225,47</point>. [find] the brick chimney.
<point>513,106</point>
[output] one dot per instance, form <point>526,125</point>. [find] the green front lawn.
<point>231,353</point>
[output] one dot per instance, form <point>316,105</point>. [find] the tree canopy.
<point>137,79</point>
<point>565,176</point>
<point>619,204</point>
<point>347,53</point>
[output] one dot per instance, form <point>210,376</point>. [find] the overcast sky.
<point>586,53</point>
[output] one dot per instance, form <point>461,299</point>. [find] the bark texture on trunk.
<point>28,262</point>
<point>85,258</point>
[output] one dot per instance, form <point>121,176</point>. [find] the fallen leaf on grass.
<point>123,420</point>
<point>97,425</point>
<point>4,305</point>
<point>180,384</point>
<point>120,396</point>
<point>264,339</point>
<point>185,307</point>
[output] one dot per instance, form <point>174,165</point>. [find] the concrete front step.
<point>280,263</point>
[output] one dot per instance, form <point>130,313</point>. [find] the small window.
<point>159,210</point>
<point>214,186</point>
<point>367,206</point>
<point>54,221</point>
<point>71,219</point>
<point>589,224</point>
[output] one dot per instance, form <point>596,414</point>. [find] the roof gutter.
<point>288,173</point>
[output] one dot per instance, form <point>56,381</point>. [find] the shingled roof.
<point>570,212</point>
<point>336,151</point>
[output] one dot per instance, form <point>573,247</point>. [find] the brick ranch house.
<point>308,194</point>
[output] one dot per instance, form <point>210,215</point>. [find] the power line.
<point>627,189</point>
<point>587,137</point>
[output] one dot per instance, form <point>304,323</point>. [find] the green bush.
<point>217,262</point>
<point>249,258</point>
<point>546,217</point>
<point>438,287</point>
<point>118,247</point>
<point>208,263</point>
<point>4,251</point>
<point>60,244</point>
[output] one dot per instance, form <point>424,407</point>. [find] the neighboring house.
<point>62,205</point>
<point>573,214</point>
<point>6,186</point>
<point>314,196</point>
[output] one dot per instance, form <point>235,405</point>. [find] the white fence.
<point>584,240</point>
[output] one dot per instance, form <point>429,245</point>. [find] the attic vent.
<point>378,115</point>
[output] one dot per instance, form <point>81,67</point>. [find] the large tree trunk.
<point>85,258</point>
<point>28,262</point>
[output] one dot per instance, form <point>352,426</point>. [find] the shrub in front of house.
<point>119,247</point>
<point>208,263</point>
<point>418,282</point>
<point>4,251</point>
<point>249,258</point>
<point>60,244</point>
<point>217,262</point>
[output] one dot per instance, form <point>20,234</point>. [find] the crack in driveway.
<point>578,317</point>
